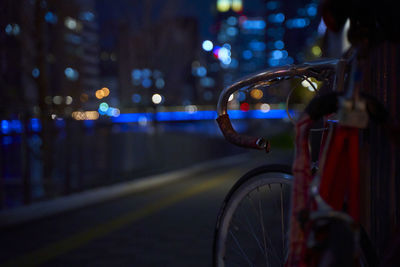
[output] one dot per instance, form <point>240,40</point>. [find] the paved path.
<point>170,225</point>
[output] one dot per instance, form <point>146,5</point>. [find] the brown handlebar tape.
<point>233,137</point>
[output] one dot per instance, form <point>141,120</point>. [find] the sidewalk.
<point>79,200</point>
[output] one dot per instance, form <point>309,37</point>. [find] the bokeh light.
<point>256,94</point>
<point>156,98</point>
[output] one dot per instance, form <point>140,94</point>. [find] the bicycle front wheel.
<point>252,225</point>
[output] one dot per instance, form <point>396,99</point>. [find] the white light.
<point>68,100</point>
<point>223,54</point>
<point>156,98</point>
<point>307,85</point>
<point>208,45</point>
<point>57,100</point>
<point>265,108</point>
<point>70,23</point>
<point>191,108</point>
<point>231,97</point>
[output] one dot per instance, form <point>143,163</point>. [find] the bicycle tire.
<point>273,178</point>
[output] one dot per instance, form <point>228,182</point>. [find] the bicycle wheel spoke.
<point>255,224</point>
<point>262,227</point>
<point>241,249</point>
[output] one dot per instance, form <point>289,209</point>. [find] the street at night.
<point>167,225</point>
<point>132,133</point>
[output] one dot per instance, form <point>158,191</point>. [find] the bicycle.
<point>241,237</point>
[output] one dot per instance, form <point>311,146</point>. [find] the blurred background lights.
<point>312,10</point>
<point>71,74</point>
<point>147,83</point>
<point>136,74</point>
<point>316,51</point>
<point>68,100</point>
<point>136,98</point>
<point>207,45</point>
<point>57,100</point>
<point>103,107</point>
<point>232,31</point>
<point>160,83</point>
<point>237,5</point>
<point>247,54</point>
<point>35,72</point>
<point>191,108</point>
<point>310,87</point>
<point>50,17</point>
<point>241,96</point>
<point>84,97</point>
<point>156,99</point>
<point>232,21</point>
<point>5,127</point>
<point>244,106</point>
<point>321,28</point>
<point>265,108</point>
<point>105,91</point>
<point>70,23</point>
<point>256,94</point>
<point>8,29</point>
<point>223,5</point>
<point>99,94</point>
<point>279,44</point>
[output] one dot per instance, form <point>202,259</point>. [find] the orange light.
<point>256,94</point>
<point>84,97</point>
<point>99,94</point>
<point>105,91</point>
<point>237,5</point>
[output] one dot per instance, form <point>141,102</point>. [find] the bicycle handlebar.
<point>317,69</point>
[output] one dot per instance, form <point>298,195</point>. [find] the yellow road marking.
<point>58,248</point>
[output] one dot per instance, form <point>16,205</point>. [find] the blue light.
<point>103,107</point>
<point>136,74</point>
<point>312,10</point>
<point>257,45</point>
<point>146,73</point>
<point>242,96</point>
<point>8,29</point>
<point>71,74</point>
<point>35,72</point>
<point>276,18</point>
<point>50,17</point>
<point>254,24</point>
<point>207,45</point>
<point>277,54</point>
<point>321,27</point>
<point>232,31</point>
<point>88,16</point>
<point>5,127</point>
<point>297,23</point>
<point>273,62</point>
<point>16,126</point>
<point>279,44</point>
<point>232,21</point>
<point>60,123</point>
<point>136,98</point>
<point>147,83</point>
<point>35,125</point>
<point>271,5</point>
<point>247,54</point>
<point>7,140</point>
<point>201,71</point>
<point>199,115</point>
